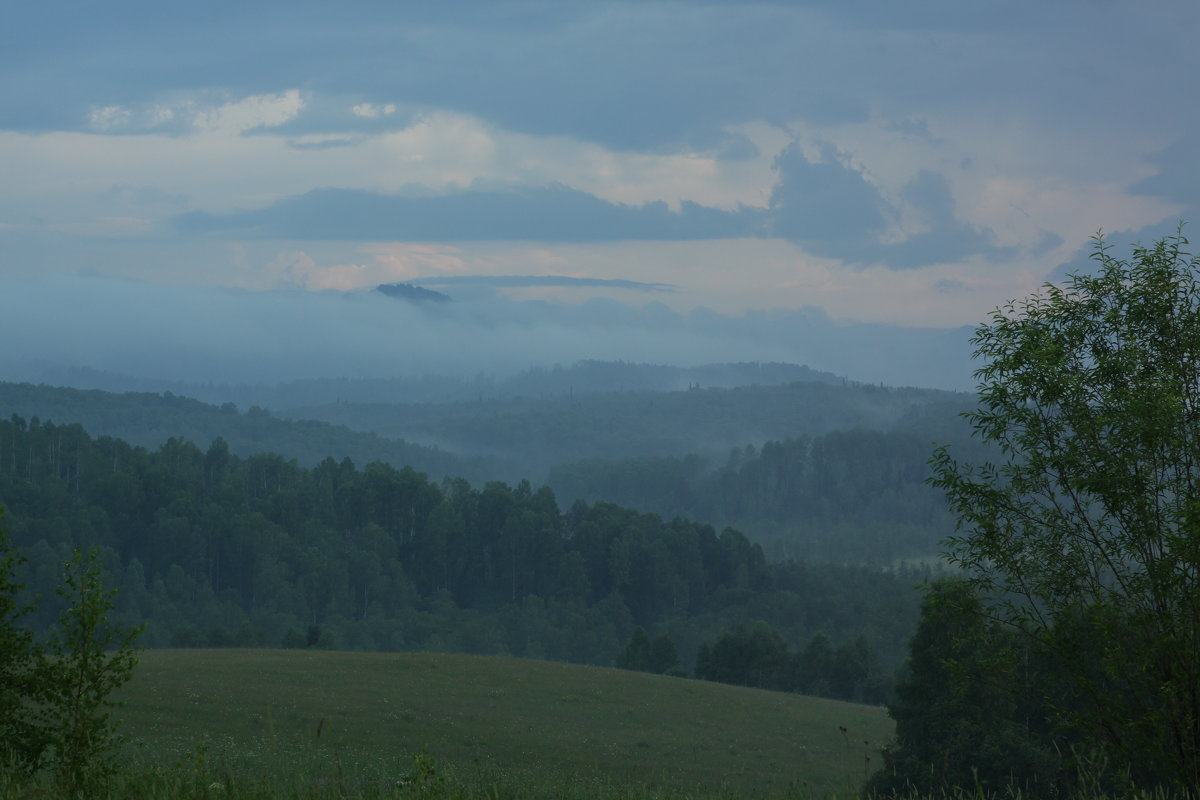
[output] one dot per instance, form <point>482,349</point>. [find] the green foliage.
<point>752,655</point>
<point>641,655</point>
<point>55,700</point>
<point>965,712</point>
<point>214,550</point>
<point>535,433</point>
<point>147,419</point>
<point>21,740</point>
<point>636,655</point>
<point>664,657</point>
<point>1087,533</point>
<point>534,426</point>
<point>847,496</point>
<point>756,655</point>
<point>88,660</point>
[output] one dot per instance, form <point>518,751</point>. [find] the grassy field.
<point>358,719</point>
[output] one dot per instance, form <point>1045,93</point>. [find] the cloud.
<point>831,208</point>
<point>372,111</point>
<point>548,214</point>
<point>912,128</point>
<point>949,286</point>
<point>525,281</point>
<point>600,123</point>
<point>945,238</point>
<point>630,75</point>
<point>1121,242</point>
<point>825,202</point>
<point>226,336</point>
<point>735,147</point>
<point>828,206</point>
<point>323,142</point>
<point>1178,175</point>
<point>109,118</point>
<point>198,114</point>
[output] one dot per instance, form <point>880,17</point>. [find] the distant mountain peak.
<point>413,294</point>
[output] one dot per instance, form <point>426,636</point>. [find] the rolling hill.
<point>542,727</point>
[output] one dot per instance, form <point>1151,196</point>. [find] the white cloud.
<point>384,263</point>
<point>258,111</point>
<point>108,118</point>
<point>372,111</point>
<point>197,114</point>
<point>222,170</point>
<point>1020,177</point>
<point>729,276</point>
<point>290,269</point>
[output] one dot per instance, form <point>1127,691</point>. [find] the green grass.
<point>488,726</point>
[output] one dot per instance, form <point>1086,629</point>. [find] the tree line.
<point>212,549</point>
<point>529,435</point>
<point>853,495</point>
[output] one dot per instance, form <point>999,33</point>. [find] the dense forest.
<point>852,494</point>
<point>855,495</point>
<point>148,419</point>
<point>213,549</point>
<point>530,435</point>
<point>580,378</point>
<point>512,437</point>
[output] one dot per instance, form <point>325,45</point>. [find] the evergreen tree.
<point>636,655</point>
<point>663,656</point>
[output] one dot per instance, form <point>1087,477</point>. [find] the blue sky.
<point>907,163</point>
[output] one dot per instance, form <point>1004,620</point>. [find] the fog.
<point>224,336</point>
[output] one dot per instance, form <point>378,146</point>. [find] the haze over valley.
<point>391,348</point>
<point>158,337</point>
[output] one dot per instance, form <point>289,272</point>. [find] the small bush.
<point>55,699</point>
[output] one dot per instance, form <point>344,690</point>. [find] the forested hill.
<point>853,496</point>
<point>843,482</point>
<point>148,420</point>
<point>584,377</point>
<point>212,549</point>
<point>533,434</point>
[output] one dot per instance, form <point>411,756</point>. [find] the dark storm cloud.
<point>633,76</point>
<point>653,77</point>
<point>830,208</point>
<point>947,239</point>
<point>548,214</point>
<point>1178,177</point>
<point>640,77</point>
<point>824,203</point>
<point>1177,180</point>
<point>826,207</point>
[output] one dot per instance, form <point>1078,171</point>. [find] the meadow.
<point>279,723</point>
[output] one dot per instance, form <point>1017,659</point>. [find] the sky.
<point>860,162</point>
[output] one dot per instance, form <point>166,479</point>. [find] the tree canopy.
<point>212,549</point>
<point>1085,533</point>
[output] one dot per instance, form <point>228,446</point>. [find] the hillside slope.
<point>148,420</point>
<point>523,722</point>
<point>534,434</point>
